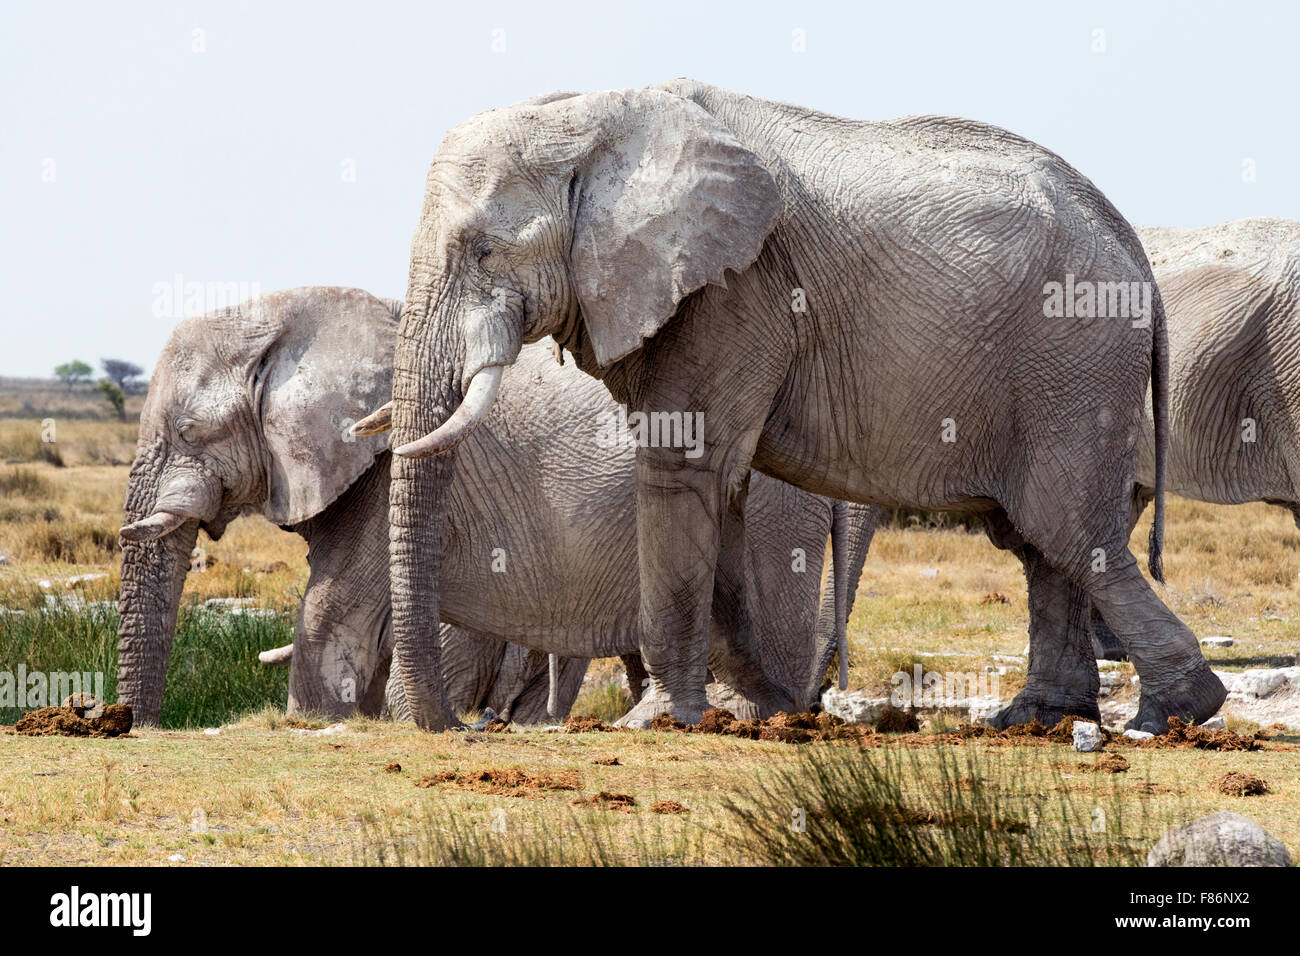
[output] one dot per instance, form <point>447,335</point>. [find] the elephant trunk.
<point>852,528</point>
<point>153,574</point>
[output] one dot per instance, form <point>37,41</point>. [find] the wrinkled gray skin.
<point>1232,297</point>
<point>231,397</point>
<point>667,237</point>
<point>249,411</point>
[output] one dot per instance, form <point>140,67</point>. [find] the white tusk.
<point>157,525</point>
<point>478,399</point>
<point>380,420</point>
<point>277,656</point>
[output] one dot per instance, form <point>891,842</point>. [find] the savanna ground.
<point>261,790</point>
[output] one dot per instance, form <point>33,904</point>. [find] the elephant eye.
<point>482,249</point>
<point>185,428</point>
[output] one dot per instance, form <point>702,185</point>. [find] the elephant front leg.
<point>1062,679</point>
<point>734,653</point>
<point>678,540</point>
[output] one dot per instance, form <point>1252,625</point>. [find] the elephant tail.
<point>1160,420</point>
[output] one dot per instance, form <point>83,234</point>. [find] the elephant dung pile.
<point>73,719</point>
<point>505,782</point>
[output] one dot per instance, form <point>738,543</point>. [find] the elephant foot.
<point>655,702</point>
<point>728,698</point>
<point>1044,706</point>
<point>1194,699</point>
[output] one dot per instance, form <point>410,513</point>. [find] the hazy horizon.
<point>151,151</point>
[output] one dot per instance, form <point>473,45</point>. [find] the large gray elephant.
<point>250,410</point>
<point>1232,296</point>
<point>869,311</point>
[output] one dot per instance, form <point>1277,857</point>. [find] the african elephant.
<point>250,411</point>
<point>1232,296</point>
<point>870,311</point>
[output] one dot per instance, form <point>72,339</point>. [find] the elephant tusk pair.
<point>277,656</point>
<point>157,525</point>
<point>478,399</point>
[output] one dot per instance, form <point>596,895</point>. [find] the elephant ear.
<point>669,200</point>
<point>329,364</point>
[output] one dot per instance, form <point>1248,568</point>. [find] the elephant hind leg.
<point>1082,532</point>
<point>1062,675</point>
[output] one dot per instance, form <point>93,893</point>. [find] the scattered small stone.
<point>212,731</point>
<point>176,858</point>
<point>1215,723</point>
<point>1216,642</point>
<point>1087,736</point>
<point>1138,734</point>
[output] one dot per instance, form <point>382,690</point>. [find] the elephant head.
<point>248,411</point>
<point>586,217</point>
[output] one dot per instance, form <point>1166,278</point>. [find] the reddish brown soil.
<point>1237,784</point>
<point>667,806</point>
<point>506,782</point>
<point>67,722</point>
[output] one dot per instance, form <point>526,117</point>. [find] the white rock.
<point>1087,736</point>
<point>980,709</point>
<point>1215,723</point>
<point>76,579</point>
<point>1264,681</point>
<point>929,572</point>
<point>176,858</point>
<point>852,706</point>
<point>1110,682</point>
<point>1221,839</point>
<point>323,732</point>
<point>1138,734</point>
<point>1216,642</point>
<point>211,731</point>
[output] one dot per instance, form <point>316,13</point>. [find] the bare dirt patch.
<point>506,782</point>
<point>115,721</point>
<point>1237,784</point>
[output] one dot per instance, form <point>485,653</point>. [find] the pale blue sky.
<point>230,164</point>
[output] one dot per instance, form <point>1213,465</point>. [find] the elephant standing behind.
<point>1232,297</point>
<point>250,410</point>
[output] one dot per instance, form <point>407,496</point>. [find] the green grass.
<point>213,674</point>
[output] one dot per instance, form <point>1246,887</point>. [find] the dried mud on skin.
<point>1237,784</point>
<point>504,782</point>
<point>623,802</point>
<point>115,721</point>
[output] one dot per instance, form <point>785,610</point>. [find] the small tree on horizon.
<point>70,373</point>
<point>121,372</point>
<point>115,396</point>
